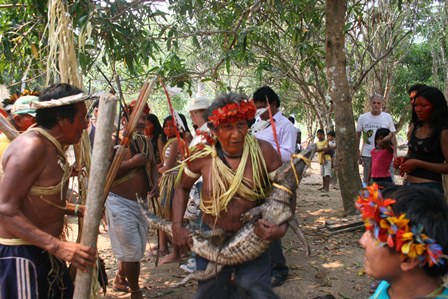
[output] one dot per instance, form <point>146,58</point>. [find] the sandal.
<point>121,288</point>
<point>124,287</point>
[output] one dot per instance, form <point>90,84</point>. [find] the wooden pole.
<point>7,128</point>
<point>127,135</point>
<point>94,206</point>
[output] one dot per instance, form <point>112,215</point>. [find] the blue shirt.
<point>381,292</point>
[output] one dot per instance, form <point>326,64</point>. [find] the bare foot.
<point>120,284</point>
<point>320,189</point>
<point>170,258</point>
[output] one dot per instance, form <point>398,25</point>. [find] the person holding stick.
<point>32,201</point>
<point>128,230</point>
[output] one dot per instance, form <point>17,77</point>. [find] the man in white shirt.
<point>368,123</point>
<point>287,137</point>
<point>286,132</point>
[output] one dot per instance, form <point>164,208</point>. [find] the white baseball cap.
<point>198,103</point>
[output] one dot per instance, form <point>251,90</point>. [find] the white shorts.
<point>325,169</point>
<point>128,229</point>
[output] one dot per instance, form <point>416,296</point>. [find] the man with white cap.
<point>22,117</point>
<point>197,108</point>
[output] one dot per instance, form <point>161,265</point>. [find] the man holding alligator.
<point>235,167</point>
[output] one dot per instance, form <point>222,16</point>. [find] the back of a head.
<point>416,87</point>
<point>49,117</point>
<point>381,132</point>
<point>426,207</point>
<point>264,92</point>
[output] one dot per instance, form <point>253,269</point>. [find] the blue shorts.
<point>27,271</point>
<point>250,273</point>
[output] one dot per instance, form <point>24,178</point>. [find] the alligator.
<point>245,245</point>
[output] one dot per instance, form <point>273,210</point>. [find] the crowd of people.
<point>209,179</point>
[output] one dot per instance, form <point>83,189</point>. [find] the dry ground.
<point>334,267</point>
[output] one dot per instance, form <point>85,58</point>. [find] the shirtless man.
<point>32,203</point>
<point>228,193</point>
<point>127,228</point>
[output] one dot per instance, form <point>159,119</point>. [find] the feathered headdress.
<point>396,231</point>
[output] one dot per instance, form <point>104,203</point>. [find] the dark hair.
<point>264,92</point>
<point>164,137</point>
<point>381,132</point>
<point>426,207</point>
<point>416,87</point>
<point>184,121</point>
<point>332,133</point>
<point>439,115</point>
<point>291,119</point>
<point>49,117</point>
<point>223,100</point>
<point>321,131</point>
<point>156,123</point>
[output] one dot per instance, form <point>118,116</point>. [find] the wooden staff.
<point>127,133</point>
<point>7,128</point>
<point>94,207</point>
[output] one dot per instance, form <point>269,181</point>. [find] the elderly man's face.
<point>377,105</point>
<point>231,136</point>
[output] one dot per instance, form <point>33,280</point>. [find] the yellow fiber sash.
<point>62,162</point>
<point>226,183</point>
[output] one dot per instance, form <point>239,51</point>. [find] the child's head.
<point>379,135</point>
<point>331,135</point>
<point>413,233</point>
<point>320,134</point>
<point>169,130</point>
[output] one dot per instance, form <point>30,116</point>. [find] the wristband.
<point>76,210</point>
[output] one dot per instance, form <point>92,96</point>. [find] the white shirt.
<point>198,138</point>
<point>286,135</point>
<point>368,124</point>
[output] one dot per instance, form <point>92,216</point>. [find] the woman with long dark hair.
<point>424,163</point>
<point>153,131</point>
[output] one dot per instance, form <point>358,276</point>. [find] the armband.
<point>190,173</point>
<point>272,174</point>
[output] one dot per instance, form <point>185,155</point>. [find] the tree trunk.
<point>347,150</point>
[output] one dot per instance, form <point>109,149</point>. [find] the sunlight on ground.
<point>318,212</point>
<point>333,265</point>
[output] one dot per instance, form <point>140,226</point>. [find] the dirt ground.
<point>334,267</point>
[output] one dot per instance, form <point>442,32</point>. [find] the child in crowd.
<point>382,156</point>
<point>324,160</point>
<point>331,136</point>
<point>406,240</point>
<point>171,154</point>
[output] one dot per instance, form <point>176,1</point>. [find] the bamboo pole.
<point>7,128</point>
<point>127,134</point>
<point>94,208</point>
